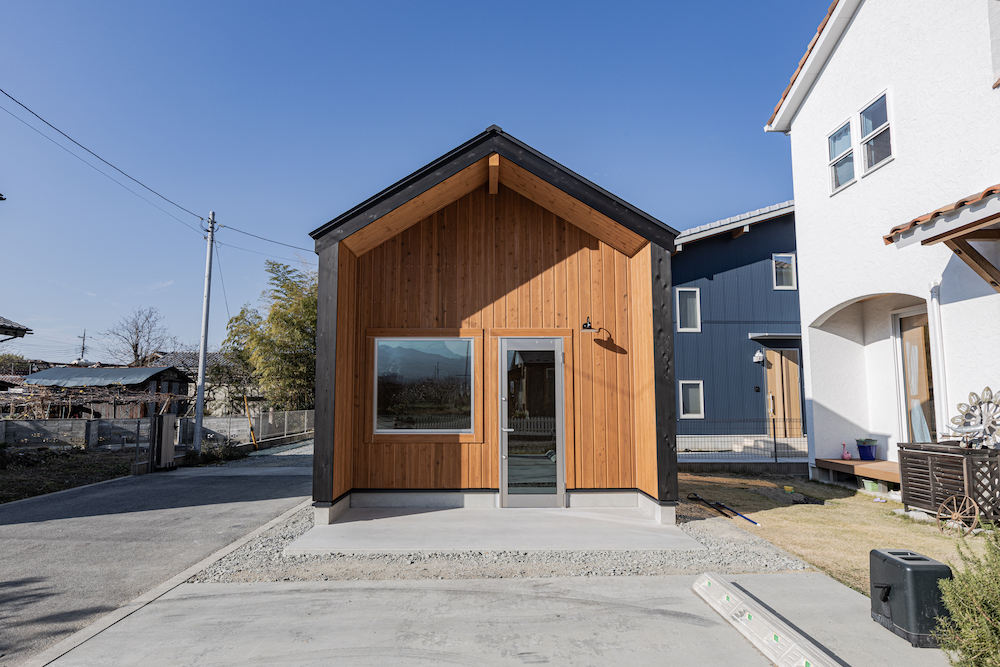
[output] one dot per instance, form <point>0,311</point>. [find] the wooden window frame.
<point>680,399</point>
<point>677,308</point>
<point>478,394</point>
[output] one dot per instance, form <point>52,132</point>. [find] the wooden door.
<point>784,397</point>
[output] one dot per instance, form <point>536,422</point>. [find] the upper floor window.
<point>875,140</point>
<point>783,267</point>
<point>688,309</point>
<point>841,157</point>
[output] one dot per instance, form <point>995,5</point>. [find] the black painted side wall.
<point>737,298</point>
<point>664,383</point>
<point>326,373</point>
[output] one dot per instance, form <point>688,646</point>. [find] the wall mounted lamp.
<point>758,357</point>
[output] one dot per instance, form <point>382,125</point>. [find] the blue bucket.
<point>867,452</point>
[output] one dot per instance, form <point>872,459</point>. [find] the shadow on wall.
<point>960,283</point>
<point>831,429</point>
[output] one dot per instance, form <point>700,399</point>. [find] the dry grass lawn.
<point>835,537</point>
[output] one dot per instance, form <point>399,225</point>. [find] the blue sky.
<point>281,115</point>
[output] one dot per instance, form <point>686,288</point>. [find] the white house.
<point>894,118</point>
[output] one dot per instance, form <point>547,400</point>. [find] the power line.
<point>225,299</point>
<point>287,259</point>
<point>264,239</point>
<point>107,176</point>
<point>99,157</point>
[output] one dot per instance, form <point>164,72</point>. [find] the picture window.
<point>424,385</point>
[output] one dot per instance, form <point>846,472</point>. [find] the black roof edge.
<point>494,140</point>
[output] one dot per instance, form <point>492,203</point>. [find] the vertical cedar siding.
<point>492,264</point>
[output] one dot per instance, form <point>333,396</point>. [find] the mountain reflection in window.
<point>423,385</point>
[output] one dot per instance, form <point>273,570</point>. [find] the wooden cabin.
<point>495,331</point>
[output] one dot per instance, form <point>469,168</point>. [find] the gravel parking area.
<point>731,550</point>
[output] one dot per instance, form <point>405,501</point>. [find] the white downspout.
<point>937,363</point>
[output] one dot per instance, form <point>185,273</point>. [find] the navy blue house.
<point>737,343</point>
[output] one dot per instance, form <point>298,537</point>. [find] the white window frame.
<point>701,399</point>
<point>862,140</point>
<point>417,431</point>
<point>834,189</point>
<point>774,272</point>
<point>677,308</point>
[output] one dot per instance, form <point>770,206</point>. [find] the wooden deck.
<point>887,471</point>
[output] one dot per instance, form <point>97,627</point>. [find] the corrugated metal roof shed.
<point>94,377</point>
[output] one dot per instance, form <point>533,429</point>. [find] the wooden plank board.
<point>576,212</point>
<point>501,261</point>
<point>884,470</point>
<point>418,208</point>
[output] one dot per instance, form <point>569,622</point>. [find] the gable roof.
<point>13,329</point>
<point>466,168</point>
<point>94,377</point>
<point>830,29</point>
<point>735,222</point>
<point>187,360</point>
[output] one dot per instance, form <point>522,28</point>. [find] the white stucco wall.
<point>936,62</point>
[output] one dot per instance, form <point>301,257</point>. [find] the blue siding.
<point>737,298</point>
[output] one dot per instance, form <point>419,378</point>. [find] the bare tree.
<point>134,338</point>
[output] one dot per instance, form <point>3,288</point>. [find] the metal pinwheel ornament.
<point>978,422</point>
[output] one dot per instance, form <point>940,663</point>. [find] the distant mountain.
<point>412,364</point>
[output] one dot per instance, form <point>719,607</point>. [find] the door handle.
<point>506,430</point>
<point>504,457</point>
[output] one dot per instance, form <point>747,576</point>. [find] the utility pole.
<point>83,345</point>
<point>199,406</point>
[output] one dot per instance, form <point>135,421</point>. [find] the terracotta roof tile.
<point>927,217</point>
<point>812,44</point>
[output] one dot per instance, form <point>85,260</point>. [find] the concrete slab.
<point>578,621</point>
<point>469,622</point>
<point>364,530</point>
<point>70,558</point>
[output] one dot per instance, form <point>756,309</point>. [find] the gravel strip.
<point>730,550</point>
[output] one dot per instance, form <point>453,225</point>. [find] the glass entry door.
<point>532,473</point>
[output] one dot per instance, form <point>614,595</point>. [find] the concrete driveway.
<point>69,558</point>
<point>558,621</point>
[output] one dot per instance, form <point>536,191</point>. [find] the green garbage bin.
<point>905,594</point>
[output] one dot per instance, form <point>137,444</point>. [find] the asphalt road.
<point>68,558</point>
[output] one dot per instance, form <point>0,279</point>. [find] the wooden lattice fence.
<point>932,473</point>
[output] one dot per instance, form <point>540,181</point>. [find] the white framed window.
<point>783,271</point>
<point>688,301</point>
<point>691,398</point>
<point>841,157</point>
<point>424,385</point>
<point>876,140</point>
